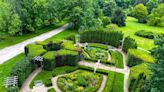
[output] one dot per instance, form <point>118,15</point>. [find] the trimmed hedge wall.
<point>59,58</point>
<point>22,69</point>
<point>69,45</point>
<point>108,37</point>
<point>129,43</point>
<point>136,57</point>
<point>33,50</point>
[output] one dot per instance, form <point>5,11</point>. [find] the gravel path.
<point>12,51</point>
<point>25,87</point>
<point>103,84</point>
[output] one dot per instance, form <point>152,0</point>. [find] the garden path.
<point>12,51</point>
<point>25,87</point>
<point>124,71</point>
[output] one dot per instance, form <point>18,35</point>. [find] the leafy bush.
<point>12,89</point>
<point>109,37</point>
<point>136,57</point>
<point>142,33</point>
<point>22,69</point>
<point>48,83</point>
<point>51,90</point>
<point>129,43</point>
<point>53,46</point>
<point>33,50</point>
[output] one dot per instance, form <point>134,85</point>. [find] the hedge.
<point>51,90</point>
<point>69,45</point>
<point>109,83</point>
<point>49,60</point>
<point>22,69</point>
<point>102,46</point>
<point>53,46</point>
<point>129,43</point>
<point>118,85</point>
<point>59,58</point>
<point>33,50</point>
<point>108,37</point>
<point>136,57</point>
<point>145,34</point>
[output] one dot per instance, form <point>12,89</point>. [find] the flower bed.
<point>80,81</point>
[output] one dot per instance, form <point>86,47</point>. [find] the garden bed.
<point>80,81</point>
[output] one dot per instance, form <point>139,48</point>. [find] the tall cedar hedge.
<point>22,69</point>
<point>129,43</point>
<point>106,37</point>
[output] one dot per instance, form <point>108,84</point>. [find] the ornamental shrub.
<point>136,57</point>
<point>142,33</point>
<point>53,46</point>
<point>108,37</point>
<point>22,69</point>
<point>129,43</point>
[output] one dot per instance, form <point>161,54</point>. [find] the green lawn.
<point>5,69</point>
<point>119,63</point>
<point>118,85</point>
<point>132,26</point>
<point>18,39</point>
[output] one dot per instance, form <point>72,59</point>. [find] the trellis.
<point>11,81</point>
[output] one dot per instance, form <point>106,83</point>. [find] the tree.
<point>151,4</point>
<point>108,7</point>
<point>9,21</point>
<point>119,17</point>
<point>155,83</point>
<point>140,12</point>
<point>156,18</point>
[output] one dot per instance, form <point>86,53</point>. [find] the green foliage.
<point>154,84</point>
<point>136,57</point>
<point>112,27</point>
<point>145,34</point>
<point>109,83</point>
<point>53,46</point>
<point>129,43</point>
<point>151,4</point>
<point>69,45</point>
<point>80,81</point>
<point>9,21</point>
<point>97,45</point>
<point>119,60</point>
<point>49,60</point>
<point>6,67</point>
<point>33,50</point>
<point>109,37</point>
<point>118,85</point>
<point>51,90</point>
<point>119,17</point>
<point>140,12</point>
<point>47,75</point>
<point>12,89</point>
<point>156,18</point>
<point>22,69</point>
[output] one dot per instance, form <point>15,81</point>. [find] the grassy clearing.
<point>6,67</point>
<point>11,40</point>
<point>119,63</point>
<point>133,26</point>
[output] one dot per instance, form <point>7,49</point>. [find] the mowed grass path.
<point>7,66</point>
<point>133,26</point>
<point>11,40</point>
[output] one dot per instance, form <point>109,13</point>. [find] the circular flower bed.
<point>80,81</point>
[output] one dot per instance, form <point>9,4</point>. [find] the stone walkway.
<point>12,51</point>
<point>25,86</point>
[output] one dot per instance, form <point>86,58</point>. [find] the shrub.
<point>33,50</point>
<point>22,69</point>
<point>97,45</point>
<point>112,27</point>
<point>49,60</point>
<point>109,37</point>
<point>51,90</point>
<point>12,89</point>
<point>142,33</point>
<point>136,57</point>
<point>48,83</point>
<point>129,43</point>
